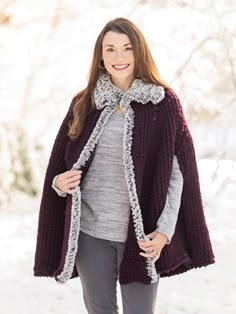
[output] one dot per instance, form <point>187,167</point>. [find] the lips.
<point>120,67</point>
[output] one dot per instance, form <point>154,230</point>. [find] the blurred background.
<point>45,53</point>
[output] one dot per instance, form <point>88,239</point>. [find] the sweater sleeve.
<point>167,221</point>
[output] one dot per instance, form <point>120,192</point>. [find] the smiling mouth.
<point>120,67</point>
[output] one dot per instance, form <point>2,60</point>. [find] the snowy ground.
<point>208,290</point>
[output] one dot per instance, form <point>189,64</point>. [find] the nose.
<point>119,54</point>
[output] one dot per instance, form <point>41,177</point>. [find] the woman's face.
<point>118,56</point>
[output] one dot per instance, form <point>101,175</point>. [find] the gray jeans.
<point>98,262</point>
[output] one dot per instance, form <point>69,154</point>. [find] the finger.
<point>72,173</point>
<point>153,260</point>
<point>148,254</point>
<point>157,256</point>
<point>73,185</point>
<point>73,178</point>
<point>73,191</point>
<point>146,245</point>
<point>144,254</point>
<point>72,181</point>
<point>151,235</point>
<point>152,256</point>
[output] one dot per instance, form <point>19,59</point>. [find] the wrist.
<point>57,189</point>
<point>55,183</point>
<point>164,236</point>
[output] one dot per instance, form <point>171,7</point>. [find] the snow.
<point>204,290</point>
<point>46,50</point>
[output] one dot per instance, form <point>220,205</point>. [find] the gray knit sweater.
<point>105,205</point>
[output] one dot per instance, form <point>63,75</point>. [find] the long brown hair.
<point>145,69</point>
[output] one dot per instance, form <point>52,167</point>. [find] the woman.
<point>121,197</point>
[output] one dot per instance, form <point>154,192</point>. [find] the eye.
<point>109,49</point>
<point>129,48</point>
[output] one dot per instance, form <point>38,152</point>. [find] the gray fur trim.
<point>109,96</point>
<point>130,179</point>
<point>106,93</point>
<point>73,239</point>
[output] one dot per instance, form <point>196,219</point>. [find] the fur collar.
<point>107,94</point>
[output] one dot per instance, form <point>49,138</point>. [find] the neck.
<point>122,83</point>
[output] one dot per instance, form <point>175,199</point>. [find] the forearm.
<point>168,218</point>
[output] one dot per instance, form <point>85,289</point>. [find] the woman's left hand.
<point>154,247</point>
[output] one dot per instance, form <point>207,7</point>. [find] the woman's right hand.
<point>69,181</point>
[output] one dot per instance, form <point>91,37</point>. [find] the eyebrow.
<point>113,45</point>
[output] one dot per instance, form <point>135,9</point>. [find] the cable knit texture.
<point>155,130</point>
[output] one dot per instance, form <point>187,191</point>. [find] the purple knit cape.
<point>159,131</point>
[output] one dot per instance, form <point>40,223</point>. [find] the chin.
<point>125,74</point>
<point>122,75</point>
